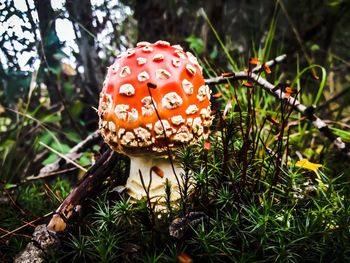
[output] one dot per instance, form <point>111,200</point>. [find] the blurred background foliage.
<point>54,55</point>
<point>50,83</point>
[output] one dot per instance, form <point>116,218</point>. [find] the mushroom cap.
<point>154,97</point>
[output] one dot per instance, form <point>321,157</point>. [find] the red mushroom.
<point>153,99</point>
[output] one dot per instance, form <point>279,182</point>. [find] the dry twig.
<point>91,181</point>
<point>308,112</point>
<point>44,237</point>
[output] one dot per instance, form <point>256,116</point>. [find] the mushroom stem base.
<point>155,173</point>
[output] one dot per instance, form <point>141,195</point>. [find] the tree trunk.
<point>80,13</point>
<point>49,45</point>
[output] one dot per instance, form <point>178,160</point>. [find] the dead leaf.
<point>267,69</point>
<point>158,171</point>
<point>306,164</point>
<point>254,61</point>
<point>184,258</point>
<point>217,95</point>
<point>227,74</point>
<point>207,145</point>
<point>247,84</point>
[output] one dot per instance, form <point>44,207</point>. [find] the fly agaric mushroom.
<point>153,100</point>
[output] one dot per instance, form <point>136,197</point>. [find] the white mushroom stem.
<point>153,181</point>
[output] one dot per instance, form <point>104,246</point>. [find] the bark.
<point>45,238</point>
<point>92,180</point>
<point>42,242</point>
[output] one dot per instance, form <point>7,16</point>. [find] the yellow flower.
<point>306,164</point>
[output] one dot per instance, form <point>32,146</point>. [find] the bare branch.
<point>91,181</point>
<point>270,63</point>
<point>36,250</point>
<point>233,76</point>
<point>45,237</point>
<point>308,112</point>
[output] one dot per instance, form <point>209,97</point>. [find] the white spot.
<point>149,126</point>
<point>176,62</point>
<point>127,90</point>
<point>171,100</point>
<point>128,139</point>
<point>159,149</point>
<point>133,143</point>
<point>189,121</point>
<point>109,98</point>
<point>191,69</point>
<point>142,133</point>
<point>143,43</point>
<point>192,109</point>
<point>112,126</point>
<point>158,57</point>
<point>143,136</point>
<point>178,47</point>
<point>206,115</point>
<point>187,87</point>
<point>141,61</point>
<point>209,91</point>
<point>125,71</point>
<point>147,100</point>
<point>145,143</point>
<point>143,76</point>
<point>197,126</point>
<point>177,120</point>
<point>208,112</point>
<point>104,124</point>
<point>133,115</point>
<point>109,102</point>
<point>129,53</point>
<point>162,74</point>
<point>202,93</point>
<point>147,49</point>
<point>121,131</point>
<point>162,43</point>
<point>183,135</point>
<point>121,110</point>
<point>158,128</point>
<point>203,113</point>
<point>192,58</point>
<point>208,122</point>
<point>180,54</point>
<point>183,129</point>
<point>200,68</point>
<point>113,138</point>
<point>114,68</point>
<point>147,108</point>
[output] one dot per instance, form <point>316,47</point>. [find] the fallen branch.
<point>44,237</point>
<point>91,181</point>
<point>36,250</point>
<point>75,153</point>
<point>308,112</point>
